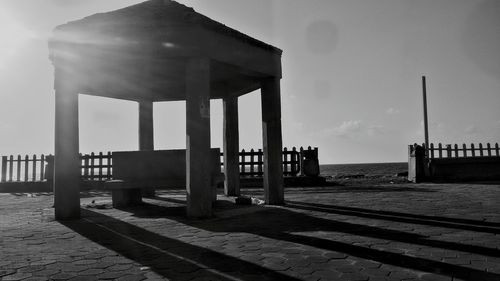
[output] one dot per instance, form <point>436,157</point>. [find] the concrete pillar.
<point>66,151</point>
<point>198,173</point>
<point>231,147</point>
<point>272,141</point>
<point>146,136</point>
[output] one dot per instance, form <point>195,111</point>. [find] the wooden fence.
<point>463,151</point>
<point>99,167</point>
<point>252,163</point>
<point>23,169</point>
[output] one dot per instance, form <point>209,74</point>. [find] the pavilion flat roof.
<point>140,52</point>
<point>155,14</point>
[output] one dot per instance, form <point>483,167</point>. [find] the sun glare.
<point>13,35</point>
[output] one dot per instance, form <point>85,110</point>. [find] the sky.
<point>351,81</point>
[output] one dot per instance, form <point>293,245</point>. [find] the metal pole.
<point>426,125</point>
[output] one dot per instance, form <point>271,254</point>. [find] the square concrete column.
<point>231,146</point>
<point>66,151</point>
<point>198,173</point>
<point>146,137</point>
<point>272,141</point>
<point>146,133</point>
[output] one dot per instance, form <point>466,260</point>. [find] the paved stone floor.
<point>365,232</point>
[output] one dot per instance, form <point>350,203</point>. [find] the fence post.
<point>456,150</point>
<point>18,174</point>
<point>252,161</point>
<point>109,165</point>
<point>301,155</point>
<point>480,149</point>
<point>92,165</point>
<point>284,159</point>
<point>440,150</point>
<point>26,167</point>
<point>11,168</point>
<point>295,160</point>
<point>100,166</point>
<point>42,167</point>
<point>431,148</point>
<point>496,149</point>
<point>261,163</point>
<point>448,151</point>
<point>85,166</point>
<point>464,148</point>
<point>33,176</point>
<point>472,150</point>
<point>4,168</point>
<point>488,146</point>
<point>242,162</point>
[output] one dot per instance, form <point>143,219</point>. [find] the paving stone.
<point>435,277</point>
<point>46,272</point>
<point>132,278</point>
<point>119,267</point>
<point>16,276</point>
<point>73,268</point>
<point>85,262</point>
<point>83,278</point>
<point>111,275</point>
<point>354,276</point>
<point>327,274</point>
<point>43,262</point>
<point>5,272</point>
<point>36,279</point>
<point>90,272</point>
<point>334,255</point>
<point>31,268</point>
<point>62,276</point>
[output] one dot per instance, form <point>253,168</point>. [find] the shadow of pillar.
<point>166,256</point>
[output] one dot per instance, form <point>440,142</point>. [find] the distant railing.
<point>453,162</point>
<point>23,169</point>
<point>99,167</point>
<point>463,151</point>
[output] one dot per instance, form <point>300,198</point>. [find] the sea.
<point>364,169</point>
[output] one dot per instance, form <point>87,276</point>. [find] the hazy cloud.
<point>375,130</point>
<point>472,130</point>
<point>354,128</point>
<point>392,111</point>
<point>438,126</point>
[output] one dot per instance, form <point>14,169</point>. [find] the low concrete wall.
<point>465,169</point>
<point>157,165</point>
<point>25,187</point>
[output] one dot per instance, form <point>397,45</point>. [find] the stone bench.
<point>159,169</point>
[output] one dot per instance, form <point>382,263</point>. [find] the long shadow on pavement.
<point>447,222</point>
<point>280,223</point>
<point>168,257</point>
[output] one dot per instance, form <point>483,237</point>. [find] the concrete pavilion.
<point>160,50</point>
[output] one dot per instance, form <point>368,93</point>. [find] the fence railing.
<point>251,162</point>
<point>99,167</point>
<point>463,151</point>
<point>23,169</point>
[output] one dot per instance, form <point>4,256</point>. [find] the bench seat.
<point>134,171</point>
